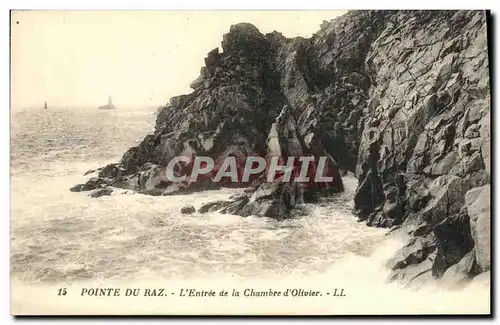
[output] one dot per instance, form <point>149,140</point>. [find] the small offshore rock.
<point>188,209</point>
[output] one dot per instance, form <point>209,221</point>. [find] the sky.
<point>140,58</point>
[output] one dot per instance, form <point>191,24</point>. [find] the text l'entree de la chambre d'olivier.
<point>162,292</point>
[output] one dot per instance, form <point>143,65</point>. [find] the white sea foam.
<point>64,239</point>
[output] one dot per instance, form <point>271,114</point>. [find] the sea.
<point>65,240</point>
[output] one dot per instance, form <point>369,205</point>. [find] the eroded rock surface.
<point>401,98</point>
<point>426,136</point>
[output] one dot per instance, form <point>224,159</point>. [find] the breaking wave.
<point>126,240</point>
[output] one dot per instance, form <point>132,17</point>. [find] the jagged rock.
<point>417,195</point>
<point>469,146</point>
<point>174,188</point>
<point>150,177</point>
<point>267,208</point>
<point>415,274</point>
<point>401,98</point>
<point>485,141</point>
<point>212,58</point>
<point>213,206</point>
<point>101,192</point>
<point>111,170</point>
<point>89,172</point>
<point>313,146</point>
<point>273,200</point>
<point>92,184</point>
<point>198,82</point>
<point>188,209</point>
<point>369,194</point>
<point>236,205</point>
<point>202,185</point>
<point>83,187</point>
<point>392,208</point>
<point>415,251</point>
<point>430,137</point>
<point>277,198</point>
<point>483,280</point>
<point>454,240</point>
<point>126,182</point>
<point>444,165</point>
<point>459,274</point>
<point>472,132</point>
<point>447,197</point>
<point>265,190</point>
<point>477,202</point>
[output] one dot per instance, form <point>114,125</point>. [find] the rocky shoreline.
<point>400,98</point>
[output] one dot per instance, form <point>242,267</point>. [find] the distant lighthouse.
<point>109,105</point>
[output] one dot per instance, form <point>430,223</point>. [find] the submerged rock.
<point>415,251</point>
<point>101,192</point>
<point>485,141</point>
<point>188,209</point>
<point>400,98</point>
<point>213,206</point>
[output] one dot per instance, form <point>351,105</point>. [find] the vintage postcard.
<point>250,162</point>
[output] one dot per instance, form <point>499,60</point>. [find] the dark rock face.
<point>82,187</point>
<point>421,116</point>
<point>401,98</point>
<point>188,209</point>
<point>234,103</point>
<point>101,192</point>
<point>276,199</point>
<point>477,202</point>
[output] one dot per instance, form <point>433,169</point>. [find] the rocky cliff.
<point>401,98</point>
